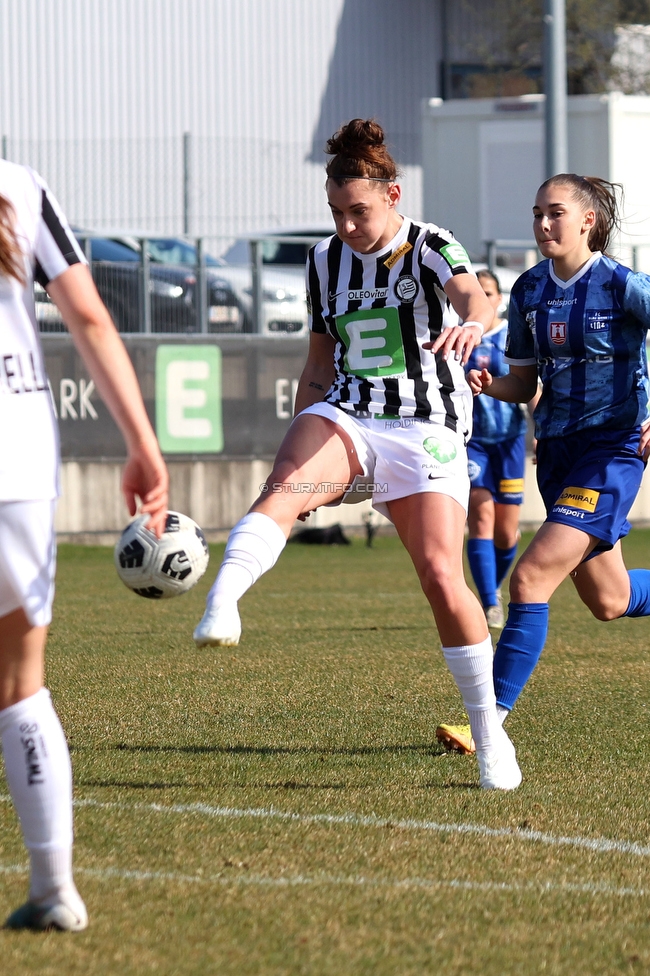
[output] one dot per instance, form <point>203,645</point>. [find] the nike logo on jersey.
<point>332,298</point>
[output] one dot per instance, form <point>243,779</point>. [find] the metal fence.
<point>175,285</point>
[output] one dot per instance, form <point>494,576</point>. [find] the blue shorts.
<point>589,480</point>
<point>499,468</point>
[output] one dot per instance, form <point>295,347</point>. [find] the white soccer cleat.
<point>498,768</point>
<point>67,913</point>
<point>220,627</point>
<point>494,615</point>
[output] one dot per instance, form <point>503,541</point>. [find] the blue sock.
<point>480,556</point>
<point>639,605</point>
<point>504,558</point>
<point>518,651</point>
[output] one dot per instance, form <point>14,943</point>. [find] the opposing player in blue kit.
<point>579,320</point>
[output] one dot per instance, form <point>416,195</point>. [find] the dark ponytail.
<point>596,194</point>
<point>359,152</point>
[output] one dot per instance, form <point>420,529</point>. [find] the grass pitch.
<point>282,807</point>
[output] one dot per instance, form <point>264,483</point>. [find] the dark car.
<point>117,271</point>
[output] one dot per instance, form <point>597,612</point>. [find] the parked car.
<point>284,247</point>
<point>116,270</point>
<point>284,253</point>
<point>284,308</point>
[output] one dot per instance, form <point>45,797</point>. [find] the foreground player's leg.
<point>431,527</point>
<point>37,766</point>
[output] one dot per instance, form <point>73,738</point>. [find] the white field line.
<point>323,880</point>
<point>600,845</point>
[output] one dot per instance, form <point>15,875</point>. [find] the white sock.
<point>39,775</point>
<point>502,713</point>
<point>253,547</point>
<point>471,666</point>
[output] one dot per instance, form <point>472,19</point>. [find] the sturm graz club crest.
<point>406,288</point>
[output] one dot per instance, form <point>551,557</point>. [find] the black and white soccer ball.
<point>160,568</point>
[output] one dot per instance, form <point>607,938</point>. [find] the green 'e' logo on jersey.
<point>455,254</point>
<point>443,451</point>
<point>373,341</point>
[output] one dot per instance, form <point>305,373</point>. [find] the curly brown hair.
<point>359,152</point>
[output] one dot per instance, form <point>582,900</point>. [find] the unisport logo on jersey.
<point>442,450</point>
<point>406,288</point>
<point>455,255</point>
<point>373,342</point>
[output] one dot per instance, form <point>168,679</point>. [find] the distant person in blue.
<point>497,455</point>
<point>578,320</point>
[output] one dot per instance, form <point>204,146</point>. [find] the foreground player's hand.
<point>459,341</point>
<point>145,477</point>
<point>479,380</point>
<point>644,443</point>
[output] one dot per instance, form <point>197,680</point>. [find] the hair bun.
<point>359,150</point>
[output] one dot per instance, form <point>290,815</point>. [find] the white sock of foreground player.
<point>253,547</point>
<point>38,771</point>
<point>471,666</point>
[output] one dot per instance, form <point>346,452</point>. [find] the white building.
<point>99,95</point>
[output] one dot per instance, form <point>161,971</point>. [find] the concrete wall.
<point>217,493</point>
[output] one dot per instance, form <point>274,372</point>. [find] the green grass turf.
<point>328,707</point>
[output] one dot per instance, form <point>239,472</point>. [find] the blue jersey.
<point>494,420</point>
<point>587,338</point>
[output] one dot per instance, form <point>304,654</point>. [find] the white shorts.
<point>401,456</point>
<point>28,559</point>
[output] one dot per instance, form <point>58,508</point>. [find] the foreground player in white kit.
<point>383,400</point>
<point>36,242</point>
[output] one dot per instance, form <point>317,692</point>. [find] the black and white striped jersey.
<point>28,432</point>
<point>380,308</point>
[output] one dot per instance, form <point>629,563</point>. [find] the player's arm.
<point>107,361</point>
<point>517,386</point>
<point>469,301</point>
<point>318,374</point>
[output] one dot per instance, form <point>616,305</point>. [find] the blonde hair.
<point>11,255</point>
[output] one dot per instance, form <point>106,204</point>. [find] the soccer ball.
<point>159,568</point>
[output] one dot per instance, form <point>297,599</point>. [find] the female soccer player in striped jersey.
<point>579,320</point>
<point>35,241</point>
<point>383,400</point>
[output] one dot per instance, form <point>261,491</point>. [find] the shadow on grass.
<point>286,785</point>
<point>241,750</point>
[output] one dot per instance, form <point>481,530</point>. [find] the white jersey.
<point>28,431</point>
<point>381,308</point>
